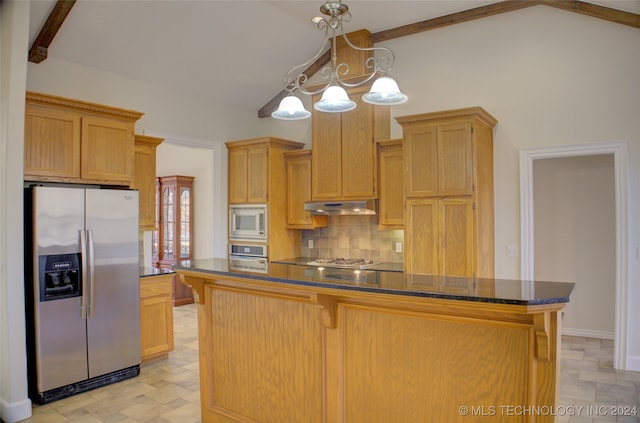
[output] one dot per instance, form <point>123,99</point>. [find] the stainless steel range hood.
<point>346,207</point>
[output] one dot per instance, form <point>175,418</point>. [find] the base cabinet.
<point>276,353</point>
<point>156,316</point>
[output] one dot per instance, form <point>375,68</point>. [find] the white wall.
<point>550,77</point>
<point>575,237</point>
<point>208,166</point>
<point>14,21</point>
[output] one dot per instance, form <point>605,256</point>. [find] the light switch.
<point>512,251</point>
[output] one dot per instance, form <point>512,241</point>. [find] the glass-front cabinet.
<point>175,222</point>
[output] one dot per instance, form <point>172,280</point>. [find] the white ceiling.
<point>229,51</point>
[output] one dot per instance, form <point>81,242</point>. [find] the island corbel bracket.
<point>329,306</point>
<point>542,328</point>
<point>197,286</point>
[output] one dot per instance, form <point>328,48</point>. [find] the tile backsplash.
<point>353,237</point>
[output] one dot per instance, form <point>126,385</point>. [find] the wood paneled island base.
<point>278,351</point>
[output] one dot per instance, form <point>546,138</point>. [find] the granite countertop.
<point>501,291</point>
<point>153,271</point>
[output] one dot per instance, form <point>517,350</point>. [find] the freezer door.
<point>113,325</point>
<point>60,331</point>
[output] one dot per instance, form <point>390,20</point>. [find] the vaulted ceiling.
<point>237,51</point>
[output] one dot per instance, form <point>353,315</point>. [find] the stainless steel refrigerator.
<point>82,289</point>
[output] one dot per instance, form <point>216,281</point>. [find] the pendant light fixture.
<point>335,99</point>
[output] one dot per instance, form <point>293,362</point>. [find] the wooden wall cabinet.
<point>78,142</point>
<point>248,171</point>
<point>156,316</point>
<point>175,235</point>
<point>448,162</point>
<point>259,162</point>
<point>344,160</point>
<point>144,179</point>
<point>439,159</point>
<point>298,171</point>
<point>390,184</point>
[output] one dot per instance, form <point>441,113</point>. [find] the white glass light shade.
<point>384,92</point>
<point>291,108</point>
<point>335,100</point>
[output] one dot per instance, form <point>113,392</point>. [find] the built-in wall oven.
<point>248,257</point>
<point>248,222</point>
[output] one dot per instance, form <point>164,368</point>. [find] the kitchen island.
<point>307,344</point>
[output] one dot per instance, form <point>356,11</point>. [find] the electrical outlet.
<point>310,244</point>
<point>398,247</point>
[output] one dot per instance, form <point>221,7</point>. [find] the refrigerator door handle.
<point>85,273</point>
<point>92,266</point>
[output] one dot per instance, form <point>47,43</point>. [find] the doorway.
<point>618,153</point>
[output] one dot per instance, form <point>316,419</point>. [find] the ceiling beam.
<point>596,11</point>
<point>590,9</point>
<point>38,50</point>
<point>452,19</point>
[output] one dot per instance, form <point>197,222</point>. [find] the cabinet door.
<point>421,237</point>
<point>455,165</point>
<point>456,236</point>
<point>420,146</point>
<point>390,191</point>
<point>327,156</point>
<point>358,151</point>
<point>238,175</point>
<point>298,190</point>
<point>156,316</point>
<point>257,168</point>
<point>107,149</point>
<point>185,210</point>
<point>144,180</point>
<point>51,143</point>
<point>298,173</point>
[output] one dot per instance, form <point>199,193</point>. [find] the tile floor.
<point>167,390</point>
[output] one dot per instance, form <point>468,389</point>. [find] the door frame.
<point>620,158</point>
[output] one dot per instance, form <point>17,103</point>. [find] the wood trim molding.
<point>39,48</point>
<point>52,100</point>
<point>622,283</point>
<point>589,9</point>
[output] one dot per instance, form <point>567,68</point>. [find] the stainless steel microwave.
<point>248,222</point>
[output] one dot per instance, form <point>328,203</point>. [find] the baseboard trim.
<point>633,363</point>
<point>599,334</point>
<point>15,411</point>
